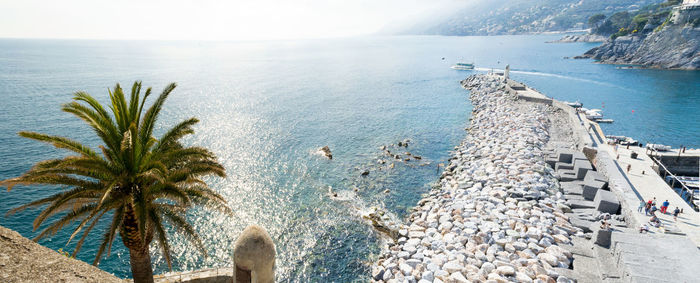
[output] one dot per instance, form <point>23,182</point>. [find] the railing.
<point>674,178</point>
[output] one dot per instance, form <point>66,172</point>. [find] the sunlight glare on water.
<point>266,107</point>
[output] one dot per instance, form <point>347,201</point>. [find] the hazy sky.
<point>206,19</point>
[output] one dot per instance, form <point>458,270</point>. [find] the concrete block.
<point>595,175</point>
<point>577,204</point>
<point>581,167</point>
<point>591,187</point>
<point>570,162</point>
<point>583,224</point>
<point>563,166</point>
<point>565,155</point>
<point>567,175</point>
<point>602,237</point>
<point>578,156</point>
<point>571,188</point>
<point>605,201</point>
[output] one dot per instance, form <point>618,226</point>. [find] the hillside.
<point>494,17</point>
<point>674,47</point>
<point>661,36</point>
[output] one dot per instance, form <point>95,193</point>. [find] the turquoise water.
<point>265,107</point>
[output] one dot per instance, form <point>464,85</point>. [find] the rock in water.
<point>326,151</point>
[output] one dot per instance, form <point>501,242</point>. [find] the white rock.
<point>405,268</point>
<point>506,270</point>
<point>452,266</point>
<point>458,277</point>
<point>428,275</point>
<point>548,258</point>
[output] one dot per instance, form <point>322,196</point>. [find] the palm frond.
<point>61,142</point>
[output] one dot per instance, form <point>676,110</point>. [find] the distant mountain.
<point>493,17</point>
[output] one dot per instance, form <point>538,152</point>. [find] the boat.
<point>622,140</point>
<point>658,147</point>
<point>463,66</point>
<point>591,115</point>
<point>604,121</point>
<point>576,104</point>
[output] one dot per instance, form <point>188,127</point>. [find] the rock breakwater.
<point>497,213</point>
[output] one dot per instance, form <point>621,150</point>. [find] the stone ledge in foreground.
<point>23,260</point>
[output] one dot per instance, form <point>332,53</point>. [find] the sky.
<point>208,19</point>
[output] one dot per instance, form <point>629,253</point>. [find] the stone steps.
<point>655,257</point>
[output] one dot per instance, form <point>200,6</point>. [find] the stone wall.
<point>23,260</point>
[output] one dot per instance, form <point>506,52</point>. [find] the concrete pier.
<point>666,254</point>
<point>678,162</point>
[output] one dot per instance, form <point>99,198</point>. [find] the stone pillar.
<point>506,73</point>
<point>254,256</point>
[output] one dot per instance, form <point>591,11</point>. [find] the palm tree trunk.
<point>139,256</point>
<point>141,269</point>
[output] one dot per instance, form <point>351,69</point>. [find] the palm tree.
<point>141,182</point>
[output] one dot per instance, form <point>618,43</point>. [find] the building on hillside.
<point>686,12</point>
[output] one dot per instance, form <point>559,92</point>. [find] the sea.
<point>266,107</point>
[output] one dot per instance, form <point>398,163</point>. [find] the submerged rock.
<point>326,151</point>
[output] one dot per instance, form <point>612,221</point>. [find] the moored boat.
<point>576,104</point>
<point>463,66</point>
<point>658,147</point>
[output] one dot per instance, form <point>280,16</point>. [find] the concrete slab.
<point>574,204</point>
<point>595,175</point>
<point>572,188</point>
<point>583,224</point>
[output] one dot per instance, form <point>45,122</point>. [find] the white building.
<point>686,12</point>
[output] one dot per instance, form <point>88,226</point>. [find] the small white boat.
<point>463,66</point>
<point>594,114</point>
<point>605,121</point>
<point>659,147</point>
<point>622,140</point>
<point>576,104</point>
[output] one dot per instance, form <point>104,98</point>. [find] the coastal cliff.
<point>674,47</point>
<point>580,38</point>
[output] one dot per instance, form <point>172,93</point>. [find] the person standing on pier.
<point>664,206</point>
<point>642,205</point>
<point>675,214</point>
<point>647,208</point>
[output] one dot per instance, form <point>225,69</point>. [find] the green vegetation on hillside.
<point>489,17</point>
<point>642,21</point>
